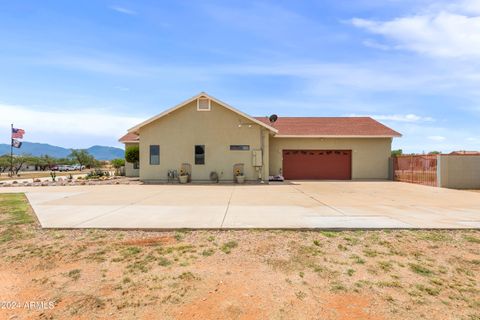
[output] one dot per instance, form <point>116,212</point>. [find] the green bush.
<point>97,173</point>
<point>132,154</point>
<point>117,163</point>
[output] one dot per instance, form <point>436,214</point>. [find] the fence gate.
<point>420,169</point>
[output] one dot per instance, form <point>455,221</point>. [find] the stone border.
<point>70,182</point>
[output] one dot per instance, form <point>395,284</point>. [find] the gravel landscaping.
<point>65,181</point>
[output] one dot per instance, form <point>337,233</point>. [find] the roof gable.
<point>200,95</point>
<point>130,137</point>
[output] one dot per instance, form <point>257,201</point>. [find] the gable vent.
<point>203,104</point>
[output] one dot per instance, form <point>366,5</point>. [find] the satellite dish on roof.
<point>273,118</point>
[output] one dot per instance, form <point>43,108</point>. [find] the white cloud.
<point>376,45</point>
<point>271,22</point>
<point>321,76</point>
<point>451,30</point>
<point>427,136</point>
<point>66,127</point>
<point>437,138</point>
<point>469,7</point>
<point>123,10</point>
<point>96,64</point>
<point>397,117</point>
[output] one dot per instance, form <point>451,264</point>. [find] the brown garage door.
<point>317,164</point>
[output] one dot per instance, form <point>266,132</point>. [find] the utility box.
<point>257,159</point>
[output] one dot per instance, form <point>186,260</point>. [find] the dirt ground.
<point>247,274</point>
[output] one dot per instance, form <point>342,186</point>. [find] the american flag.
<point>17,133</point>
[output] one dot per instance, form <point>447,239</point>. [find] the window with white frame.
<point>203,104</point>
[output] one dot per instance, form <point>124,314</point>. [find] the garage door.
<point>317,164</point>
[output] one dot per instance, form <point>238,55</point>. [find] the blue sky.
<point>78,73</point>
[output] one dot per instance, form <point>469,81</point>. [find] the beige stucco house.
<point>208,135</point>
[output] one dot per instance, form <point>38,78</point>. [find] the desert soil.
<point>248,274</point>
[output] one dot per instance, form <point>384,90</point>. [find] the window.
<point>199,154</point>
<point>203,104</point>
<point>241,147</point>
<point>154,154</point>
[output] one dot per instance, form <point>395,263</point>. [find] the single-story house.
<point>208,135</point>
<point>465,152</point>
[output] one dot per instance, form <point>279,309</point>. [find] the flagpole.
<point>11,151</point>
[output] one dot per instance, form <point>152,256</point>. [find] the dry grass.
<point>237,274</point>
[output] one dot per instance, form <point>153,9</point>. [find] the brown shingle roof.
<point>474,153</point>
<point>330,126</point>
<point>317,126</point>
<point>129,137</point>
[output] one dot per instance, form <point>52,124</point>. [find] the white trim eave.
<point>201,94</point>
<point>129,142</point>
<point>333,136</point>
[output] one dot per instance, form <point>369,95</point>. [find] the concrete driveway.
<point>291,205</point>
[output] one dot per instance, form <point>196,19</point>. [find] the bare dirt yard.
<point>247,274</point>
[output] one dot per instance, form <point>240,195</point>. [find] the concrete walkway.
<point>290,205</point>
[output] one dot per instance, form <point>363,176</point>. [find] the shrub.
<point>132,154</point>
<point>97,173</point>
<point>228,246</point>
<point>164,262</point>
<point>419,269</point>
<point>74,274</point>
<point>472,239</point>
<point>117,163</point>
<point>208,252</point>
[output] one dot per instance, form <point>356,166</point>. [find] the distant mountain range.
<point>38,149</point>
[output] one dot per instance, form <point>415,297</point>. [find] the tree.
<point>396,153</point>
<point>20,160</point>
<point>66,161</point>
<point>434,152</point>
<point>45,162</point>
<point>117,163</point>
<point>82,157</point>
<point>35,161</point>
<point>4,163</point>
<point>132,154</point>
